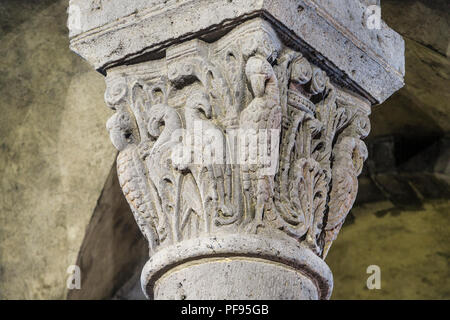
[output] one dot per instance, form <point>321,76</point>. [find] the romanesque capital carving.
<point>240,147</point>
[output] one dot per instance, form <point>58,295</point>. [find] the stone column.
<point>239,126</point>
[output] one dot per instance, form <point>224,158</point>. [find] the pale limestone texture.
<point>259,281</point>
<point>239,67</point>
<point>107,34</point>
<point>298,266</point>
<point>174,204</point>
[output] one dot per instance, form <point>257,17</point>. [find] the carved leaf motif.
<point>246,80</point>
<point>214,83</point>
<point>307,196</point>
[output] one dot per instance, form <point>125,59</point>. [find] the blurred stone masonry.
<point>406,172</point>
<point>310,69</point>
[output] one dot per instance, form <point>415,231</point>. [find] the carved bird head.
<point>350,153</point>
<point>199,101</point>
<point>360,155</point>
<point>157,115</point>
<point>301,71</point>
<point>258,70</point>
<point>120,128</point>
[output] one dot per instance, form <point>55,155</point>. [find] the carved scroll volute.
<point>247,82</point>
<point>120,126</point>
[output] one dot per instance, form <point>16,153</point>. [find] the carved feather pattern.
<point>349,153</point>
<point>131,178</point>
<point>246,80</point>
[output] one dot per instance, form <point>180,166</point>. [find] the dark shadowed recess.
<point>113,248</point>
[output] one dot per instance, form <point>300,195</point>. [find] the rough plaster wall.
<point>421,108</point>
<point>411,247</point>
<point>55,154</point>
<point>113,247</point>
<point>425,21</point>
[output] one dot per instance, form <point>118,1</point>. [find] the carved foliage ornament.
<point>205,99</point>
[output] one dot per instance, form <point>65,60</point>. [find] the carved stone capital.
<point>239,155</point>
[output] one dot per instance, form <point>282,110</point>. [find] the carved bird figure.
<point>260,116</point>
<point>161,171</point>
<point>210,173</point>
<point>131,174</point>
<point>349,155</point>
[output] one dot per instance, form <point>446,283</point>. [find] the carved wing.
<point>131,178</point>
<point>342,196</point>
<point>349,155</point>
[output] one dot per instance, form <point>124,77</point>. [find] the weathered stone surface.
<point>286,267</point>
<point>175,203</point>
<point>381,229</point>
<point>109,33</point>
<point>191,99</point>
<point>213,279</point>
<point>400,115</point>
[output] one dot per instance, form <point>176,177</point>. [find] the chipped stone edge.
<point>97,45</point>
<point>285,252</point>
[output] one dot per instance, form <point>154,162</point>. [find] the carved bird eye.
<point>115,92</point>
<point>318,81</point>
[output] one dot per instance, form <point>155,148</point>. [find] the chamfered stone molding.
<point>239,132</point>
<point>330,33</point>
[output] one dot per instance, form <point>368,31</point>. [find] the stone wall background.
<point>55,153</point>
<point>60,204</point>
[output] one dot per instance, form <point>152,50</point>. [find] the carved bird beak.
<point>206,107</point>
<point>118,139</point>
<point>258,84</point>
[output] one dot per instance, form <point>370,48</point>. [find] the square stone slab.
<point>333,34</point>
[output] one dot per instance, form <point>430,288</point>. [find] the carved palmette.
<point>187,165</point>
